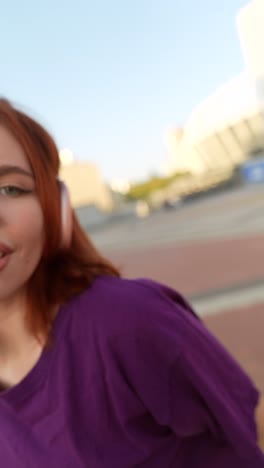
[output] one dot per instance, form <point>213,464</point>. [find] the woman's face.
<point>21,219</point>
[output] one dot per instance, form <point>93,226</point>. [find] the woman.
<point>98,371</point>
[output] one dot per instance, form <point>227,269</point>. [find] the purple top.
<point>132,379</point>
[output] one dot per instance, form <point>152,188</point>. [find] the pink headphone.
<point>66,216</point>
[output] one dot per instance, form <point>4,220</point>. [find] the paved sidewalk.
<point>196,268</point>
<point>241,331</point>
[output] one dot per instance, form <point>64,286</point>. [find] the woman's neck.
<point>19,349</point>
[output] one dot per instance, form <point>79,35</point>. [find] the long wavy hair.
<point>60,274</point>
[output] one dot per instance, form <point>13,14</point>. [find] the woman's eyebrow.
<point>9,169</point>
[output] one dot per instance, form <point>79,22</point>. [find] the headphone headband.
<point>66,216</point>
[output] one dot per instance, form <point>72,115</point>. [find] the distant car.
<point>172,204</point>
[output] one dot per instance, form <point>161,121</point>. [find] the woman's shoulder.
<point>112,307</point>
<point>109,296</point>
<point>130,292</point>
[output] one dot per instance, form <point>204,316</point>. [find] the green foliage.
<point>142,190</point>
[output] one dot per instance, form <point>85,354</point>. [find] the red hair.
<point>60,275</point>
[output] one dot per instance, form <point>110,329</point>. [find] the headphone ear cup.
<point>66,216</point>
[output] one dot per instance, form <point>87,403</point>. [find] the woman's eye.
<point>12,191</point>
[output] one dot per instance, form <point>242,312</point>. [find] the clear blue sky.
<point>107,77</point>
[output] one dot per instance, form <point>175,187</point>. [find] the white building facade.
<point>227,127</point>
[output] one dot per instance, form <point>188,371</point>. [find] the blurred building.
<point>227,127</point>
<point>251,33</point>
<point>85,183</point>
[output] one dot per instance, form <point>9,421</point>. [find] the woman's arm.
<point>259,416</point>
<point>184,377</point>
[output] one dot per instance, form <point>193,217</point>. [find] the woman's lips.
<point>5,253</point>
<point>4,261</point>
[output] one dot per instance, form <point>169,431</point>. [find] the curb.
<point>233,297</point>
